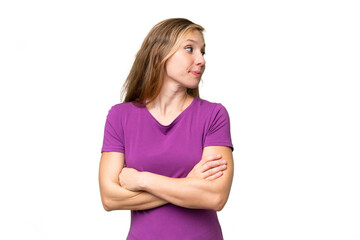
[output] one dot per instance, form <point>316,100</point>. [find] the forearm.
<point>115,197</point>
<point>185,192</point>
<point>207,186</point>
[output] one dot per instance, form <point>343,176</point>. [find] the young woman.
<point>167,154</point>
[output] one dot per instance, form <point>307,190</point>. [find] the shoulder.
<point>217,130</point>
<point>212,108</point>
<point>121,111</point>
<point>121,108</point>
<point>213,113</point>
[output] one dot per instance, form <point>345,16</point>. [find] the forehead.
<point>195,37</point>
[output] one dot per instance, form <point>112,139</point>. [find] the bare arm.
<point>115,197</point>
<point>190,192</point>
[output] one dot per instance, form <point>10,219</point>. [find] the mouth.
<point>196,73</point>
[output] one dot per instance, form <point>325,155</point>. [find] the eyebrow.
<point>194,41</point>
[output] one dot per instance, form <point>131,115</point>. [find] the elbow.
<point>219,203</point>
<point>110,204</point>
<point>218,207</point>
<point>107,204</point>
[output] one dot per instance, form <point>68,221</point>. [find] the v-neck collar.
<point>166,128</point>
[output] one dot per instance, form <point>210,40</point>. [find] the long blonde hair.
<point>146,76</point>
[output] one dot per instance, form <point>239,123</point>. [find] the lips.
<point>196,73</point>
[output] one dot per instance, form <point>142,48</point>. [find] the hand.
<point>129,178</point>
<point>209,168</point>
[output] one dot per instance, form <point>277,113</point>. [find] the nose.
<point>200,60</point>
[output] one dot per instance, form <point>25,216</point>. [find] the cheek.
<point>180,64</point>
<point>177,67</point>
<point>171,69</point>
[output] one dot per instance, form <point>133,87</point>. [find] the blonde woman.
<point>167,154</point>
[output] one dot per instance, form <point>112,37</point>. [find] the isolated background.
<point>287,72</point>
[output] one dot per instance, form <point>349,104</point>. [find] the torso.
<point>170,147</point>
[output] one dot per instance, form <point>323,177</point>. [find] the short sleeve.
<point>113,133</point>
<point>218,133</point>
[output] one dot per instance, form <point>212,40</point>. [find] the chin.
<point>193,84</point>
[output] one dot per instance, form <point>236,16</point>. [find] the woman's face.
<point>187,64</point>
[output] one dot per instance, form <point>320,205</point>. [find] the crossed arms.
<point>207,186</point>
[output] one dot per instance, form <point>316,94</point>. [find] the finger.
<point>212,164</point>
<point>215,176</point>
<point>211,158</point>
<point>214,171</point>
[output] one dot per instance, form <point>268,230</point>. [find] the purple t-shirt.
<point>172,151</point>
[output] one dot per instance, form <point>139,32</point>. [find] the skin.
<point>117,197</point>
<point>207,186</point>
<point>173,99</point>
<point>189,192</point>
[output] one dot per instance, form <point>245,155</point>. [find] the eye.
<point>203,53</point>
<point>189,49</point>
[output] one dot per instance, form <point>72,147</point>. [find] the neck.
<point>171,100</point>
